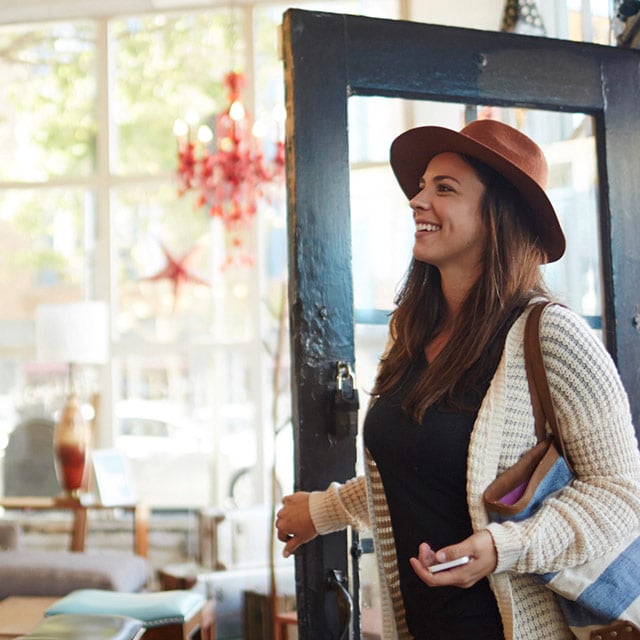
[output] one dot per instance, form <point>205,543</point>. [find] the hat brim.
<point>412,151</point>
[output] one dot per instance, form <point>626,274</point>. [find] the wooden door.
<point>330,57</point>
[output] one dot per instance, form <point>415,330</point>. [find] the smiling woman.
<point>453,362</point>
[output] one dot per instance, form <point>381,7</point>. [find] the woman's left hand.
<point>483,560</point>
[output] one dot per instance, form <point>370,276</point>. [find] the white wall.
<point>474,14</point>
<point>482,14</point>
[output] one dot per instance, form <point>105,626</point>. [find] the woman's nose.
<point>421,200</point>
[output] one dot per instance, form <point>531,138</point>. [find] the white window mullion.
<point>103,263</point>
<point>262,426</point>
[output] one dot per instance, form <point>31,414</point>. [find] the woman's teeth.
<point>427,227</point>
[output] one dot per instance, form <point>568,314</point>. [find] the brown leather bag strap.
<point>531,336</point>
<point>543,410</point>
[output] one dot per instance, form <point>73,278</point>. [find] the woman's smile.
<point>429,227</point>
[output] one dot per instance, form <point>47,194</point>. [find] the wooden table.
<point>80,509</point>
<point>20,614</point>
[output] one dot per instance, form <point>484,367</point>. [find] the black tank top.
<point>423,469</point>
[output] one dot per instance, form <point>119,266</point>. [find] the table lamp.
<point>74,333</point>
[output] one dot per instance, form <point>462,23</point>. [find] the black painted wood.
<point>620,215</point>
<point>320,288</point>
<point>329,57</point>
<point>412,60</point>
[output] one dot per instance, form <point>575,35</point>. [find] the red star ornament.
<point>178,271</point>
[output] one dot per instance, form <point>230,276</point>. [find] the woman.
<point>451,408</point>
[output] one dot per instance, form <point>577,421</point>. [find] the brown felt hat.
<point>506,150</point>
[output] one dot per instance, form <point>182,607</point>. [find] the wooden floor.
<point>19,615</point>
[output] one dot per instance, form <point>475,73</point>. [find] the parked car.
<point>170,460</point>
<point>149,427</point>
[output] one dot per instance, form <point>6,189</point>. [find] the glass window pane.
<point>381,218</point>
<point>573,189</point>
<point>48,124</point>
<point>269,73</point>
<point>208,354</point>
<point>164,66</point>
<point>569,145</point>
<point>382,225</point>
<point>170,282</point>
<point>49,240</point>
<point>179,409</point>
<point>156,429</point>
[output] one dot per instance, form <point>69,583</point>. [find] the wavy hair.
<point>510,277</point>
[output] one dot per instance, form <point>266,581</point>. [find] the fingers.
<point>483,559</point>
<point>463,576</point>
<point>452,553</point>
<point>284,537</point>
<point>293,522</point>
<point>426,555</point>
<point>291,543</point>
<point>285,532</point>
<point>291,547</point>
<point>285,525</point>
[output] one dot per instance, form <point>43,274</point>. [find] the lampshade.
<point>75,333</point>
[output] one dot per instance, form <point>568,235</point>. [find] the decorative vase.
<point>72,448</point>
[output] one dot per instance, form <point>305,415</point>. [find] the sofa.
<point>32,572</point>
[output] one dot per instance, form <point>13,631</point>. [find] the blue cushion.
<point>154,609</point>
<point>81,627</point>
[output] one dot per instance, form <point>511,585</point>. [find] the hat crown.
<point>512,145</point>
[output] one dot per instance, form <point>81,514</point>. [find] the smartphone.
<point>434,568</point>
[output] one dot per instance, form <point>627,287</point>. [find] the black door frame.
<point>329,57</point>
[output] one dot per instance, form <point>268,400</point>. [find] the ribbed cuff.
<point>508,552</point>
<point>326,510</point>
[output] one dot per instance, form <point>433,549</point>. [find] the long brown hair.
<point>509,279</point>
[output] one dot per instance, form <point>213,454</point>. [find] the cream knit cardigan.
<point>581,523</point>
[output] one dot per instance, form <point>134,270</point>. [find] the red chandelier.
<point>227,169</point>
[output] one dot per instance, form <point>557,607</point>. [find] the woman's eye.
<point>445,188</point>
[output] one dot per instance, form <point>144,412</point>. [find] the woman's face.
<point>450,233</point>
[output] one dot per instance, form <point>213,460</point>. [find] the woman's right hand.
<point>294,523</point>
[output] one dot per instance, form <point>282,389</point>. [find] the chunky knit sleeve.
<point>602,504</point>
<point>340,506</point>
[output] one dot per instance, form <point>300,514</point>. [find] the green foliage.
<point>37,217</point>
<point>181,61</point>
<point>162,66</point>
<point>50,92</point>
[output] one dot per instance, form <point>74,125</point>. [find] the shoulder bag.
<point>600,599</point>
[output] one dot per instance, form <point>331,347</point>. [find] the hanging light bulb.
<point>192,117</point>
<point>236,111</point>
<point>259,130</point>
<point>205,135</point>
<point>180,128</point>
